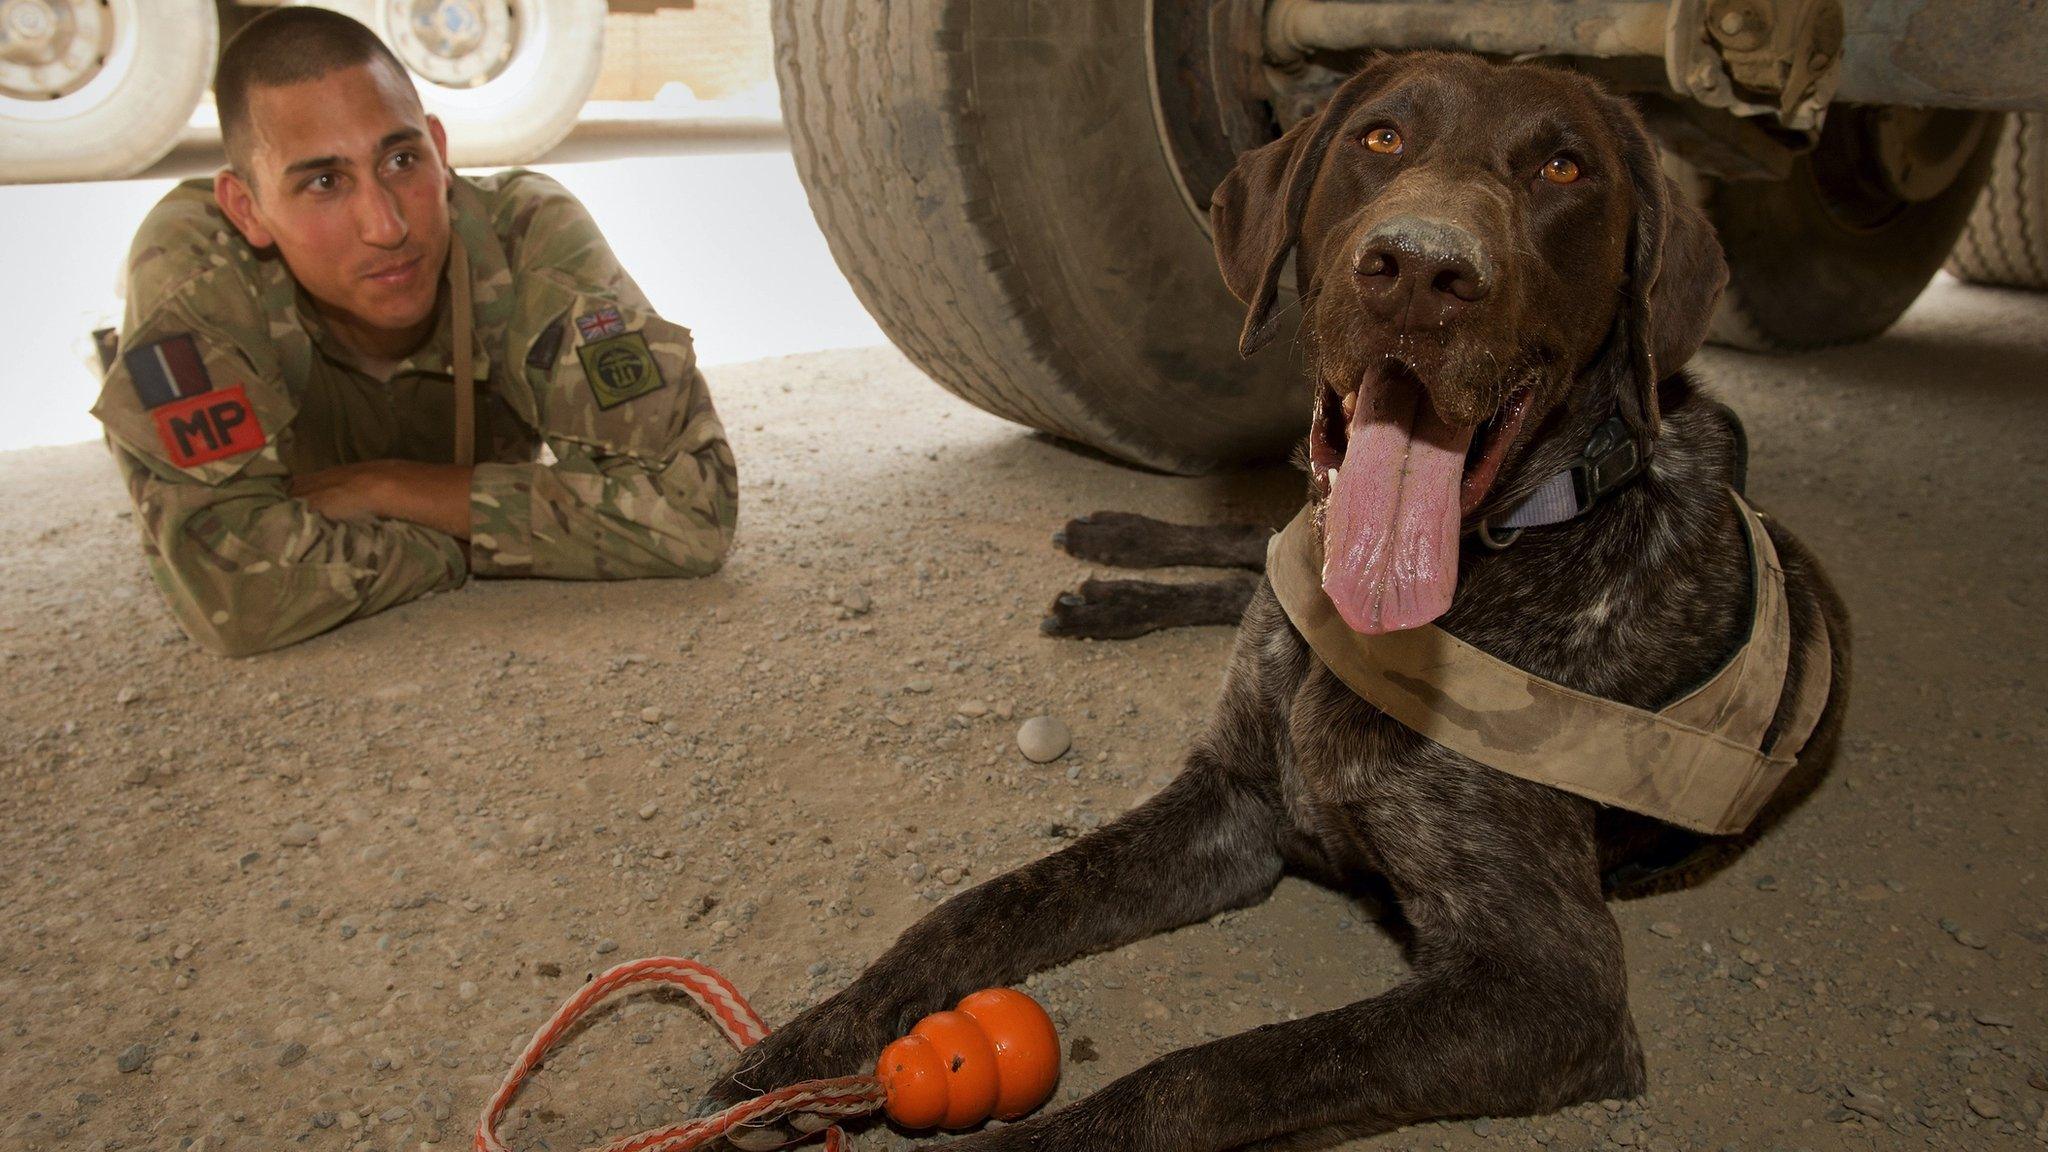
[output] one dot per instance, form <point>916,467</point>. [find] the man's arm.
<point>194,409</point>
<point>599,513</point>
<point>643,482</point>
<point>245,568</point>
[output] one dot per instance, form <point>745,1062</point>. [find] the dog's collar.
<point>1610,460</point>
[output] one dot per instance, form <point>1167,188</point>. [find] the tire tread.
<point>1070,291</point>
<point>2006,242</point>
<point>925,283</point>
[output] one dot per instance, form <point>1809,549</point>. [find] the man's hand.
<point>433,495</point>
<point>350,492</point>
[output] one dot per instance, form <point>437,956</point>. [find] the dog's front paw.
<point>1123,539</point>
<point>830,1039</point>
<point>1104,610</point>
<point>1121,609</point>
<point>765,1136</point>
<point>1128,540</point>
<point>1044,1132</point>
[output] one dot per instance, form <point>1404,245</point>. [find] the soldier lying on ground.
<point>282,404</point>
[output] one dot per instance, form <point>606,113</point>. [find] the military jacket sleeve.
<point>642,482</point>
<point>193,409</point>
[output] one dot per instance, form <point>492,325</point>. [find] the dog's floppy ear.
<point>1690,279</point>
<point>1256,212</point>
<point>1254,230</point>
<point>1675,274</point>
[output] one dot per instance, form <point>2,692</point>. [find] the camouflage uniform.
<point>228,384</point>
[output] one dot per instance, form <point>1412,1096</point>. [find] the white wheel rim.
<point>50,49</point>
<point>522,73</point>
<point>453,43</point>
<point>112,45</point>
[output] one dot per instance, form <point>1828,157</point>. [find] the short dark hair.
<point>285,46</point>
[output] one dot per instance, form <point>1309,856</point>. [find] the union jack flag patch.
<point>603,323</point>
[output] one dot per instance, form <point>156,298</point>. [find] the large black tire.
<point>2007,240</point>
<point>990,177</point>
<point>1831,255</point>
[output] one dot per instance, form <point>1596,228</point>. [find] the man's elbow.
<point>220,630</point>
<point>228,609</point>
<point>699,553</point>
<point>689,531</point>
<point>235,644</point>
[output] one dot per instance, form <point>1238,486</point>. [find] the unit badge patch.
<point>196,423</point>
<point>620,369</point>
<point>167,370</point>
<point>597,325</point>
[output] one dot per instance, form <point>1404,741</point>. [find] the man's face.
<point>350,186</point>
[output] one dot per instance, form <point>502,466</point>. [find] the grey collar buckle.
<point>1611,459</point>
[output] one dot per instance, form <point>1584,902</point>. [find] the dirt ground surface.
<point>321,898</point>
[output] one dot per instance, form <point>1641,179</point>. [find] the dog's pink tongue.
<point>1390,544</point>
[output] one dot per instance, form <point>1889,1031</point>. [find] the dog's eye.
<point>1384,141</point>
<point>1561,170</point>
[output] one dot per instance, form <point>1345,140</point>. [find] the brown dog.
<point>1493,252</point>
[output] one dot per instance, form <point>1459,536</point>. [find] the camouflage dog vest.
<point>1699,762</point>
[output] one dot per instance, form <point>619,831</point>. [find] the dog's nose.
<point>1431,269</point>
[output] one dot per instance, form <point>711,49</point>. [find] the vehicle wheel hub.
<point>453,43</point>
<point>51,48</point>
<point>1921,151</point>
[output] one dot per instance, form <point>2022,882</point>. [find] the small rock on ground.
<point>1043,739</point>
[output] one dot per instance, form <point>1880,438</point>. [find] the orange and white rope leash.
<point>843,1096</point>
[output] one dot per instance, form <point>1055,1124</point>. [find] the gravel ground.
<point>321,898</point>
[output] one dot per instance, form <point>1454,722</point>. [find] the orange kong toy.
<point>994,1055</point>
